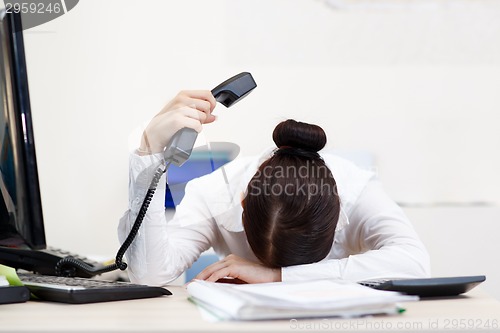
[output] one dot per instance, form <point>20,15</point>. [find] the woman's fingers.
<point>194,113</point>
<point>179,118</point>
<point>203,106</point>
<point>193,123</point>
<point>238,268</point>
<point>190,108</point>
<point>199,104</point>
<point>219,270</point>
<point>211,269</point>
<point>220,274</point>
<point>201,95</point>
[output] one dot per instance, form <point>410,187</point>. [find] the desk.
<point>176,314</point>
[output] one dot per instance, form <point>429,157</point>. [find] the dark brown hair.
<point>291,207</point>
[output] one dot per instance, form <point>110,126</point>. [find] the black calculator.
<point>428,287</point>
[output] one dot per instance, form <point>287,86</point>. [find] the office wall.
<point>416,85</point>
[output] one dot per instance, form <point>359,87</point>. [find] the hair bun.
<point>296,134</point>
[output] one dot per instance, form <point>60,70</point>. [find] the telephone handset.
<point>227,93</point>
<point>177,152</point>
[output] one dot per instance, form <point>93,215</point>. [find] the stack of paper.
<point>309,299</point>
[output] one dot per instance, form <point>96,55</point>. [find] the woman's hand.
<point>190,108</point>
<point>238,268</point>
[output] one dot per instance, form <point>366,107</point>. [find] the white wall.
<point>416,85</point>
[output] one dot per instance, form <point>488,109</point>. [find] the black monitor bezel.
<point>34,234</point>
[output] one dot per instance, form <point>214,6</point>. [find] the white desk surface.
<point>475,310</point>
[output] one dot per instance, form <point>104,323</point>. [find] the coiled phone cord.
<point>68,266</point>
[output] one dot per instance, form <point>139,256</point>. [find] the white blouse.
<point>373,238</point>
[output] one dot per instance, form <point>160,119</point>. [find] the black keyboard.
<point>80,290</point>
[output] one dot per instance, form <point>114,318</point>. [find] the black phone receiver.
<point>234,89</point>
<point>227,93</point>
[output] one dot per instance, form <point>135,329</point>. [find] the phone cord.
<point>68,265</point>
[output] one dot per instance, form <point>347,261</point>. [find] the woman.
<point>289,214</point>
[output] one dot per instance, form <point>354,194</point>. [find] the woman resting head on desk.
<point>291,213</point>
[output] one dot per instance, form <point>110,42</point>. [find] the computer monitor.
<point>21,221</point>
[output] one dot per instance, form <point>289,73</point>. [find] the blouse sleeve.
<point>163,250</point>
<point>387,243</point>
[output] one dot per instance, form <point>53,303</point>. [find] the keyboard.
<point>430,287</point>
<point>79,290</point>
